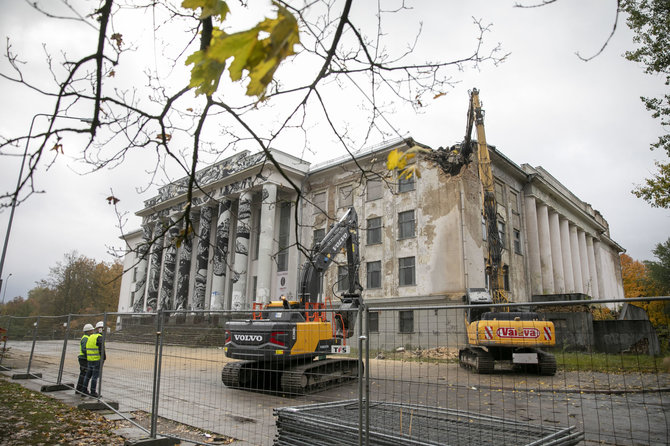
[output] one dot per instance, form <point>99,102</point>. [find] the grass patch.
<point>609,363</point>
<point>30,418</point>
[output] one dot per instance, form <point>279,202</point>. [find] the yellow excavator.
<point>288,346</point>
<point>497,334</point>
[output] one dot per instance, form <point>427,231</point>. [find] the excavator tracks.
<point>318,375</point>
<point>297,378</point>
<point>477,359</point>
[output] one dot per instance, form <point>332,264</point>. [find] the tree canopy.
<point>650,21</point>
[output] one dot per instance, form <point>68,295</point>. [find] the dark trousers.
<point>92,376</point>
<point>83,368</point>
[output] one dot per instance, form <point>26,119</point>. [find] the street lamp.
<point>18,184</point>
<point>5,291</point>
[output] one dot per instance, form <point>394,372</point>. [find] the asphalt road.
<point>624,409</point>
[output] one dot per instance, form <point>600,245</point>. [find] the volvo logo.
<point>248,338</point>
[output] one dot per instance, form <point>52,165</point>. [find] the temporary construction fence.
<point>611,385</point>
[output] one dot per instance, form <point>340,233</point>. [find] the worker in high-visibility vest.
<point>83,362</point>
<point>95,354</point>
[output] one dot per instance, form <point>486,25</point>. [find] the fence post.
<point>102,353</point>
<point>361,338</point>
<point>58,385</point>
<point>4,346</point>
<point>29,375</point>
<point>367,376</point>
<point>157,372</point>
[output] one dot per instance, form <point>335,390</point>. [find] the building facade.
<point>422,240</point>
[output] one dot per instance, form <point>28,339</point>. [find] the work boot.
<point>93,394</point>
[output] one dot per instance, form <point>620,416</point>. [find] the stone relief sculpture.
<point>202,259</point>
<point>169,268</point>
<point>155,270</point>
<point>220,258</point>
<point>141,277</point>
<point>241,250</point>
<point>183,273</point>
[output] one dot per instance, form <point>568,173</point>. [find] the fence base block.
<point>152,442</point>
<point>56,387</point>
<point>98,405</point>
<point>26,376</point>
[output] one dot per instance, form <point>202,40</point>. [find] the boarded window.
<point>501,233</point>
<point>406,271</point>
<point>514,201</point>
<point>342,278</point>
<point>405,184</point>
<point>500,198</point>
<point>374,231</point>
<point>319,202</point>
<point>346,196</point>
<point>406,321</point>
<point>374,190</point>
<point>406,224</point>
<point>373,321</point>
<point>319,234</point>
<point>374,274</point>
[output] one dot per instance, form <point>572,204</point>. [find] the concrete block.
<point>27,376</point>
<point>98,405</point>
<point>56,387</point>
<point>163,441</point>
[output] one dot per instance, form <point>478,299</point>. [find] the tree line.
<point>76,285</point>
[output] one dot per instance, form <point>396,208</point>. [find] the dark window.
<point>483,228</point>
<point>406,184</point>
<point>254,288</point>
<point>374,277</point>
<point>501,233</point>
<point>132,298</point>
<point>135,274</point>
<point>342,281</point>
<point>319,234</point>
<point>284,231</point>
<point>406,274</point>
<point>346,197</point>
<point>517,241</point>
<point>373,321</point>
<point>374,190</point>
<point>406,321</point>
<point>506,277</point>
<point>257,234</point>
<point>499,194</point>
<point>406,224</point>
<point>374,231</point>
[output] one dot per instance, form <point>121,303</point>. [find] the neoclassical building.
<point>422,240</point>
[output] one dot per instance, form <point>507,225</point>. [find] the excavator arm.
<point>344,234</point>
<point>489,205</point>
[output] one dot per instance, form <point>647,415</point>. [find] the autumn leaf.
<point>258,58</point>
<point>439,95</point>
<point>164,137</point>
<point>58,147</point>
<point>118,38</point>
<point>112,200</point>
<point>209,8</point>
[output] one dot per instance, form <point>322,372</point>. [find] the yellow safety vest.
<point>82,343</point>
<point>92,350</point>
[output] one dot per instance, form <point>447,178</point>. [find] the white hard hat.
<point>100,324</point>
<point>88,327</point>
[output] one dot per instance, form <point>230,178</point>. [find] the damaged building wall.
<point>422,242</point>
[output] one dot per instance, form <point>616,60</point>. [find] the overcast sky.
<point>581,121</point>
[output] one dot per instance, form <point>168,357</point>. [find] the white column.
<point>265,243</point>
<point>202,258</point>
<point>545,249</point>
<point>241,255</point>
<point>601,271</point>
<point>567,256</point>
<point>556,252</point>
<point>593,272</point>
<point>584,262</point>
<point>576,263</point>
<point>533,246</point>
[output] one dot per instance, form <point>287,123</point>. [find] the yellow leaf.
<point>392,159</point>
<point>209,8</point>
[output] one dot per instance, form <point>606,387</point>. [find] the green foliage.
<point>650,21</point>
<point>258,57</point>
<point>659,271</point>
<point>609,363</point>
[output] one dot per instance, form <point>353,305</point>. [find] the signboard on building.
<point>282,284</point>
